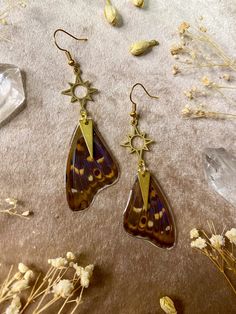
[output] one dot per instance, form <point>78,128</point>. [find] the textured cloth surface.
<point>131,275</point>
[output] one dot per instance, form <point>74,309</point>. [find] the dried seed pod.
<point>138,3</point>
<point>167,305</point>
<point>140,47</point>
<point>110,13</point>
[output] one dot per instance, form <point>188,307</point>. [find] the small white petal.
<point>194,233</point>
<point>22,268</point>
<point>63,288</point>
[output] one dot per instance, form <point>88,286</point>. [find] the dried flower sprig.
<point>195,44</point>
<point>10,208</point>
<point>200,112</point>
<point>197,49</point>
<point>219,248</point>
<point>64,283</point>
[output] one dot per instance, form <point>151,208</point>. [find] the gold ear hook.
<point>130,96</point>
<point>69,57</point>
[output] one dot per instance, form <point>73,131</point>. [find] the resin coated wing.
<point>155,223</point>
<point>85,176</point>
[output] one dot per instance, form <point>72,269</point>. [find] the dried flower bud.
<point>70,256</point>
<point>26,213</point>
<point>167,305</point>
<point>138,3</point>
<point>110,13</point>
<point>29,275</point>
<point>19,286</point>
<point>63,288</point>
<point>183,27</point>
<point>18,276</point>
<point>14,307</point>
<point>22,268</point>
<point>140,47</point>
<point>11,201</point>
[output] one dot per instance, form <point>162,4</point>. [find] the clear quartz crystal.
<point>220,170</point>
<point>12,95</point>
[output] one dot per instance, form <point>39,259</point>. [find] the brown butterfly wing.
<point>85,176</point>
<point>155,224</point>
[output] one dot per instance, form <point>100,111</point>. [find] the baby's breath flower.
<point>194,233</point>
<point>110,13</point>
<point>141,47</point>
<point>199,243</point>
<point>167,305</point>
<point>175,70</point>
<point>58,262</point>
<point>19,286</point>
<point>22,268</point>
<point>63,288</point>
<point>70,256</point>
<point>183,27</point>
<point>29,275</point>
<point>231,235</point>
<point>176,49</point>
<point>18,275</point>
<point>14,307</point>
<point>84,273</point>
<point>217,241</point>
<point>26,213</point>
<point>206,82</point>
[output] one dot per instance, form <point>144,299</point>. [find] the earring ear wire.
<point>71,61</point>
<point>131,92</point>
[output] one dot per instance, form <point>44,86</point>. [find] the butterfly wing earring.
<point>90,165</point>
<point>148,214</point>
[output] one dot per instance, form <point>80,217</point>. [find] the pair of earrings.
<point>91,167</point>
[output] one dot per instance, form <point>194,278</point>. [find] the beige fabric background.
<point>131,275</point>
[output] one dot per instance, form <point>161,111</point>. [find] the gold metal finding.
<point>71,61</point>
<point>86,126</point>
<point>85,123</point>
<point>144,141</point>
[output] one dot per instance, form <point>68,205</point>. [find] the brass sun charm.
<point>139,147</point>
<point>72,91</point>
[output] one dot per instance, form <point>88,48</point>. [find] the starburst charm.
<point>139,136</point>
<point>72,91</point>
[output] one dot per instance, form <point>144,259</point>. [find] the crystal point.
<point>220,170</point>
<point>12,95</point>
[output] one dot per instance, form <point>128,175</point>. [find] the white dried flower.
<point>63,288</point>
<point>26,213</point>
<point>18,275</point>
<point>22,268</point>
<point>29,275</point>
<point>138,3</point>
<point>194,233</point>
<point>217,241</point>
<point>167,305</point>
<point>84,273</point>
<point>231,235</point>
<point>11,201</point>
<point>70,256</point>
<point>58,262</point>
<point>199,243</point>
<point>19,286</point>
<point>140,47</point>
<point>110,13</point>
<point>14,307</point>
